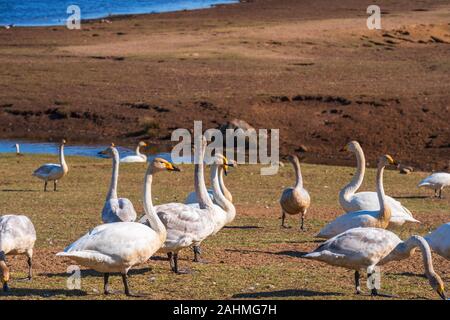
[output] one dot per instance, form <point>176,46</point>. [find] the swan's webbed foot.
<point>375,293</point>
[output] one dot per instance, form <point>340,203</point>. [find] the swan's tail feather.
<point>87,255</point>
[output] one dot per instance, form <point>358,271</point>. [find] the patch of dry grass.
<point>253,258</point>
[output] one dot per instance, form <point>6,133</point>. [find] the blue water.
<point>54,12</point>
<point>27,147</point>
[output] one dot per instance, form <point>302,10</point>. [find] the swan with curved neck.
<point>188,225</point>
<point>221,202</point>
<point>117,247</point>
<point>192,197</point>
<point>17,237</point>
<point>138,157</point>
<point>439,240</point>
<point>295,200</point>
<point>378,218</point>
<point>116,209</point>
<point>51,171</point>
<point>351,201</point>
<point>365,248</point>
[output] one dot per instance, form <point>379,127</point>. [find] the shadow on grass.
<point>408,274</point>
<point>285,293</point>
<point>412,197</point>
<point>45,293</point>
<point>242,227</point>
<point>92,273</point>
<point>290,253</point>
<point>19,190</point>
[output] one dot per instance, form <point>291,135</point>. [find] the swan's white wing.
<point>118,210</point>
<point>369,201</point>
<point>47,170</point>
<point>348,221</point>
<point>436,180</point>
<point>185,224</point>
<point>192,197</point>
<point>114,247</point>
<point>17,233</point>
<point>356,248</point>
<point>135,158</point>
<point>439,240</point>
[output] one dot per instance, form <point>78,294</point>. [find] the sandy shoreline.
<point>313,71</point>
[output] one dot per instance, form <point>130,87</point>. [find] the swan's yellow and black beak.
<point>345,148</point>
<point>171,167</point>
<point>441,292</point>
<point>391,160</point>
<point>226,165</point>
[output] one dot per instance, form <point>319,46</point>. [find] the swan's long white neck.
<point>112,194</point>
<point>349,190</point>
<point>222,201</point>
<point>298,173</point>
<point>385,211</point>
<point>224,189</point>
<point>150,213</point>
<point>204,200</point>
<point>62,160</point>
<point>138,150</point>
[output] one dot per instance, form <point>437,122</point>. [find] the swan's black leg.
<point>54,185</point>
<point>127,288</point>
<point>30,268</point>
<point>176,269</point>
<point>440,193</point>
<point>357,284</point>
<point>197,254</point>
<point>283,218</point>
<point>45,186</point>
<point>106,283</point>
<point>302,225</point>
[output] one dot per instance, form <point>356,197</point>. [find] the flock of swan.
<point>358,240</point>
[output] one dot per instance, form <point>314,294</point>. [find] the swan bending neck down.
<point>295,200</point>
<point>436,181</point>
<point>116,209</point>
<point>138,157</point>
<point>117,247</point>
<point>365,248</point>
<point>189,225</point>
<point>377,219</point>
<point>368,201</point>
<point>53,172</point>
<point>17,237</point>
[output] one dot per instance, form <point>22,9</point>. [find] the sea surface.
<point>54,12</point>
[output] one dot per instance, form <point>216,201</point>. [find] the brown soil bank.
<point>310,68</point>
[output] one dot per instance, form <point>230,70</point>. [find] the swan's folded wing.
<point>46,169</point>
<point>125,210</point>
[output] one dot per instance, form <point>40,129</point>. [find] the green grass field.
<point>254,258</point>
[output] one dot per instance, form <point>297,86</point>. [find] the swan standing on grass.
<point>365,248</point>
<point>117,247</point>
<point>437,181</point>
<point>219,166</point>
<point>295,200</point>
<point>53,172</point>
<point>188,225</point>
<point>17,237</point>
<point>368,201</point>
<point>138,157</point>
<point>439,240</point>
<point>116,209</point>
<point>192,197</point>
<point>364,218</point>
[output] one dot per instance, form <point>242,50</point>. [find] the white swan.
<point>439,240</point>
<point>116,209</point>
<point>188,225</point>
<point>436,181</point>
<point>364,218</point>
<point>116,247</point>
<point>295,200</point>
<point>351,201</point>
<point>192,197</point>
<point>138,157</point>
<point>219,165</point>
<point>17,237</point>
<point>365,248</point>
<point>17,146</point>
<point>51,171</point>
